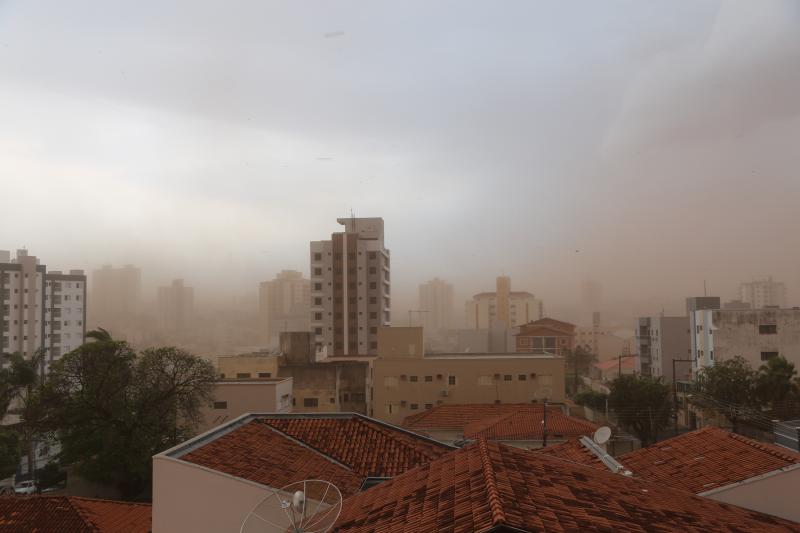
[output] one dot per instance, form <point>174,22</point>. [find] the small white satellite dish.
<point>310,506</point>
<point>602,435</point>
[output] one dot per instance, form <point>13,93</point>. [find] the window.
<point>413,379</point>
<point>428,406</point>
<point>310,402</point>
<point>242,375</point>
<point>522,377</point>
<point>451,380</point>
<point>220,405</point>
<point>265,374</point>
<point>317,331</point>
<point>332,400</point>
<point>373,285</point>
<point>414,406</point>
<point>318,301</point>
<point>507,377</point>
<point>768,355</point>
<point>317,256</point>
<point>317,316</point>
<point>428,379</point>
<point>318,286</point>
<point>767,329</point>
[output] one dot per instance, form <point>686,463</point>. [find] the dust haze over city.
<point>647,147</point>
<point>249,245</point>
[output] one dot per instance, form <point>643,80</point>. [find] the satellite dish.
<point>310,506</point>
<point>602,435</point>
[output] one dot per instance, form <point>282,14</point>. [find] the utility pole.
<point>675,391</point>
<point>544,425</point>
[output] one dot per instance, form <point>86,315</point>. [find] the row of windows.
<point>247,375</point>
<point>350,255</point>
<point>352,315</point>
<point>393,381</point>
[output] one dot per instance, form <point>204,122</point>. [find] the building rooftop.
<point>278,449</point>
<point>705,459</point>
<point>70,514</point>
<point>489,355</point>
<point>528,424</point>
<point>627,363</point>
<point>461,416</point>
<point>697,461</point>
<point>492,487</point>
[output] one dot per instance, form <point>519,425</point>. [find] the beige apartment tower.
<point>175,307</point>
<point>40,309</point>
<point>283,305</point>
<point>116,294</point>
<point>512,308</point>
<point>436,306</point>
<point>350,288</point>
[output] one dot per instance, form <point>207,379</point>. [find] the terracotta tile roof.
<point>70,514</point>
<point>706,459</point>
<point>257,452</point>
<point>488,485</point>
<point>627,364</point>
<point>573,450</point>
<point>365,445</point>
<point>276,450</point>
<point>528,424</point>
<point>497,419</point>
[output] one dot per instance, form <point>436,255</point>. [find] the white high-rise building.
<point>436,306</point>
<point>283,305</point>
<point>763,293</point>
<point>40,309</point>
<point>350,288</point>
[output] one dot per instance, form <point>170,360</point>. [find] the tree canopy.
<point>113,409</point>
<point>642,405</point>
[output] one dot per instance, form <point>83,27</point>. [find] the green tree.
<point>9,453</point>
<point>642,405</point>
<point>594,400</point>
<point>776,387</point>
<point>729,387</point>
<point>114,410</point>
<point>579,361</point>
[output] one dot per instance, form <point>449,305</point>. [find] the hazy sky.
<point>648,145</point>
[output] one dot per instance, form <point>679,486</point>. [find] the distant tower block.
<point>503,299</point>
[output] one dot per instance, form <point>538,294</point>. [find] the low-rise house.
<point>235,397</point>
<point>492,487</point>
<point>711,462</point>
<point>211,482</point>
<point>520,425</point>
<point>70,514</point>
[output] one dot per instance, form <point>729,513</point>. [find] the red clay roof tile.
<point>343,449</point>
<point>487,485</point>
<point>70,514</point>
<point>528,424</point>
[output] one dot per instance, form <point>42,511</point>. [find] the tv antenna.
<point>310,506</point>
<point>602,435</point>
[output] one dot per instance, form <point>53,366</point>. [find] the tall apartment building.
<point>755,334</point>
<point>546,336</point>
<point>763,293</point>
<point>694,304</point>
<point>283,305</point>
<point>175,307</point>
<point>116,293</point>
<point>659,341</point>
<point>350,288</point>
<point>436,305</point>
<point>513,308</point>
<point>40,309</point>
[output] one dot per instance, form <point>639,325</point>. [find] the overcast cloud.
<point>648,145</point>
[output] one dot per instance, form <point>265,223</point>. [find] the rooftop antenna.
<point>353,219</point>
<point>310,506</point>
<point>704,288</point>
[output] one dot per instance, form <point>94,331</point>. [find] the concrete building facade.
<point>763,293</point>
<point>659,341</point>
<point>116,293</point>
<point>755,334</point>
<point>235,397</point>
<point>283,305</point>
<point>511,308</point>
<point>350,288</point>
<point>40,309</point>
<point>406,381</point>
<point>436,302</point>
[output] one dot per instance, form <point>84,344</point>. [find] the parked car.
<point>25,487</point>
